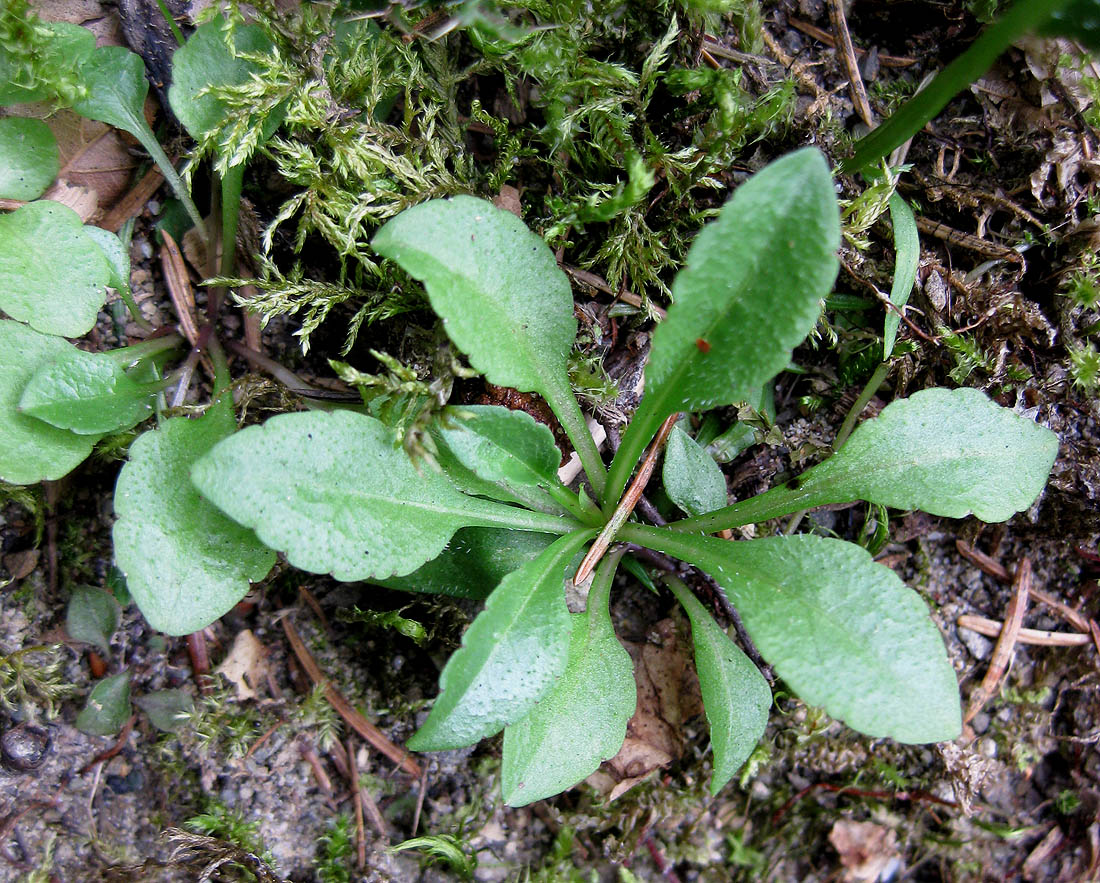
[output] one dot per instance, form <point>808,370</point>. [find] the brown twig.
<point>848,57</point>
<point>118,745</point>
<point>268,733</point>
<point>664,867</point>
<point>968,241</point>
<point>310,757</point>
<point>132,203</point>
<point>313,604</point>
<point>179,287</point>
<point>1006,643</point>
<point>357,801</point>
<point>827,38</point>
<point>420,802</point>
<point>627,503</point>
<point>200,661</point>
<point>8,823</point>
<point>600,284</point>
<point>354,719</point>
<point>998,571</point>
<point>991,628</point>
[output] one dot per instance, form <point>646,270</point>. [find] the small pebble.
<point>24,747</point>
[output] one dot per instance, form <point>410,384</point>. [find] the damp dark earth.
<point>244,257</point>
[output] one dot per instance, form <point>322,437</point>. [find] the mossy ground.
<point>616,129</point>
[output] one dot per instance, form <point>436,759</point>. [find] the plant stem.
<point>1024,16</point>
<point>780,500</point>
<point>130,355</point>
<point>149,141</point>
<point>641,429</point>
<point>565,408</point>
<point>857,407</point>
<point>568,501</point>
<point>599,595</point>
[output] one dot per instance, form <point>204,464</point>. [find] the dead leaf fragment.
<point>868,851</point>
<point>245,665</point>
<point>21,564</point>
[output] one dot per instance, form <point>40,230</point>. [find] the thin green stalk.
<point>661,539</point>
<point>129,355</point>
<point>569,501</point>
<point>565,408</point>
<point>514,518</point>
<point>775,503</point>
<point>910,118</point>
<point>172,26</point>
<point>637,436</point>
<point>148,140</point>
<point>857,408</point>
<point>599,595</point>
<point>232,183</point>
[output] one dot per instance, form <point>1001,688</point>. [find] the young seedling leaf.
<point>52,275</point>
<point>844,632</point>
<point>114,78</point>
<point>499,444</point>
<point>87,393</point>
<point>581,721</point>
<point>107,708</point>
<point>186,564</point>
<point>906,259</point>
<point>31,450</point>
<point>92,617</point>
<point>473,563</point>
<point>337,495</point>
<point>510,656</point>
<point>62,54</point>
<point>168,710</point>
<point>950,452</point>
<point>749,292</point>
<point>692,480</point>
<point>213,58</point>
<point>28,158</point>
<point>735,695</point>
<point>501,296</point>
<point>117,257</point>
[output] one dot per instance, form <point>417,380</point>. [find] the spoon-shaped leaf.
<point>582,721</point>
<point>950,452</point>
<point>31,450</point>
<point>185,563</point>
<point>52,274</point>
<point>28,158</point>
<point>473,564</point>
<point>748,294</point>
<point>89,394</point>
<point>334,492</point>
<point>906,261</point>
<point>735,695</point>
<point>501,296</point>
<point>692,480</point>
<point>499,444</point>
<point>510,656</point>
<point>846,633</point>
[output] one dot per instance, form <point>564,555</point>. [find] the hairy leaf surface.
<point>31,450</point>
<point>186,564</point>
<point>28,158</point>
<point>749,292</point>
<point>845,633</point>
<point>116,89</point>
<point>692,480</point>
<point>510,656</point>
<point>735,695</point>
<point>581,722</point>
<point>53,276</point>
<point>499,444</point>
<point>337,495</point>
<point>473,563</point>
<point>87,393</point>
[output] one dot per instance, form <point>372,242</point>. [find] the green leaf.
<point>906,260</point>
<point>211,59</point>
<point>116,88</point>
<point>30,450</point>
<point>844,632</point>
<point>52,275</point>
<point>499,444</point>
<point>510,656</point>
<point>185,563</point>
<point>59,56</point>
<point>502,298</point>
<point>107,708</point>
<point>87,393</point>
<point>28,158</point>
<point>749,292</point>
<point>92,617</point>
<point>118,258</point>
<point>168,710</point>
<point>473,563</point>
<point>735,695</point>
<point>581,722</point>
<point>693,481</point>
<point>949,452</point>
<point>1078,20</point>
<point>337,495</point>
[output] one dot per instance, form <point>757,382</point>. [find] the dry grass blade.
<point>1006,643</point>
<point>848,56</point>
<point>991,628</point>
<point>179,287</point>
<point>354,719</point>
